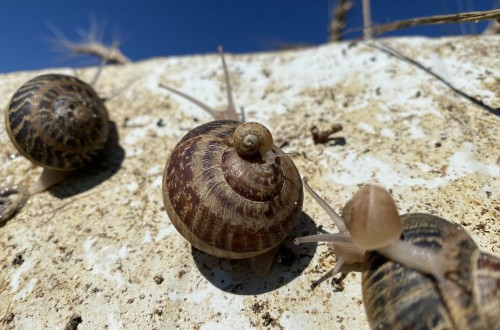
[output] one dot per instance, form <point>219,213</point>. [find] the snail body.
<point>228,190</point>
<point>434,277</point>
<point>228,204</point>
<point>398,297</point>
<point>57,122</point>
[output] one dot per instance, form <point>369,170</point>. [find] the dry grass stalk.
<point>91,44</point>
<point>474,16</point>
<point>367,20</point>
<point>338,21</point>
<point>111,54</point>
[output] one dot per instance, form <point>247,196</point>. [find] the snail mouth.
<point>251,177</point>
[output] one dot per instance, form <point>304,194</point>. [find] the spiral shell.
<point>225,204</point>
<point>397,297</point>
<point>57,121</point>
<point>252,138</point>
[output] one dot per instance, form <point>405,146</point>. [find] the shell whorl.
<point>251,138</point>
<point>227,205</point>
<point>399,297</point>
<point>57,121</point>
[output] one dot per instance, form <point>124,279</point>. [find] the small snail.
<point>57,122</point>
<point>434,276</point>
<point>229,191</point>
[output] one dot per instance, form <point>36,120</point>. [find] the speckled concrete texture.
<point>100,248</point>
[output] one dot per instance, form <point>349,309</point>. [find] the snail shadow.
<point>101,168</point>
<point>336,141</point>
<point>236,276</point>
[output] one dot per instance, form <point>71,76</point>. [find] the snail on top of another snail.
<point>229,191</point>
<point>57,122</point>
<point>420,271</point>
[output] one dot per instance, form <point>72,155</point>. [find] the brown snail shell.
<point>398,297</point>
<point>57,121</point>
<point>226,204</point>
<point>252,138</point>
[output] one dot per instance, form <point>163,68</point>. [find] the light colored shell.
<point>227,205</point>
<point>57,121</point>
<point>251,138</point>
<point>397,297</point>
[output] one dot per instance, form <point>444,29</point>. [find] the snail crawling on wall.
<point>229,191</point>
<point>57,122</point>
<point>420,271</point>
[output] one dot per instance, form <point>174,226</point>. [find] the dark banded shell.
<point>226,205</point>
<point>397,297</point>
<point>57,122</point>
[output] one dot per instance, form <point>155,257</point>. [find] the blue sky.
<point>164,28</point>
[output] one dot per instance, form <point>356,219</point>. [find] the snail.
<point>229,191</point>
<point>57,122</point>
<point>419,270</point>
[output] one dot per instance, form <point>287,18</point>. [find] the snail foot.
<point>262,263</point>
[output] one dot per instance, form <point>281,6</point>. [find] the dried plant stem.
<point>367,20</point>
<point>91,44</point>
<point>112,53</point>
<point>473,16</point>
<point>338,21</point>
<point>393,52</point>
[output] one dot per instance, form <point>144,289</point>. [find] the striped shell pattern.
<point>57,121</point>
<point>228,205</point>
<point>397,297</point>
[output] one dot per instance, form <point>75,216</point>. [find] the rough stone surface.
<point>99,251</point>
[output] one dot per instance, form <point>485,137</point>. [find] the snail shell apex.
<point>252,138</point>
<point>225,204</point>
<point>57,121</point>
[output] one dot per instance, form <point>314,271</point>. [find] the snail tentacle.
<point>341,243</point>
<point>229,113</point>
